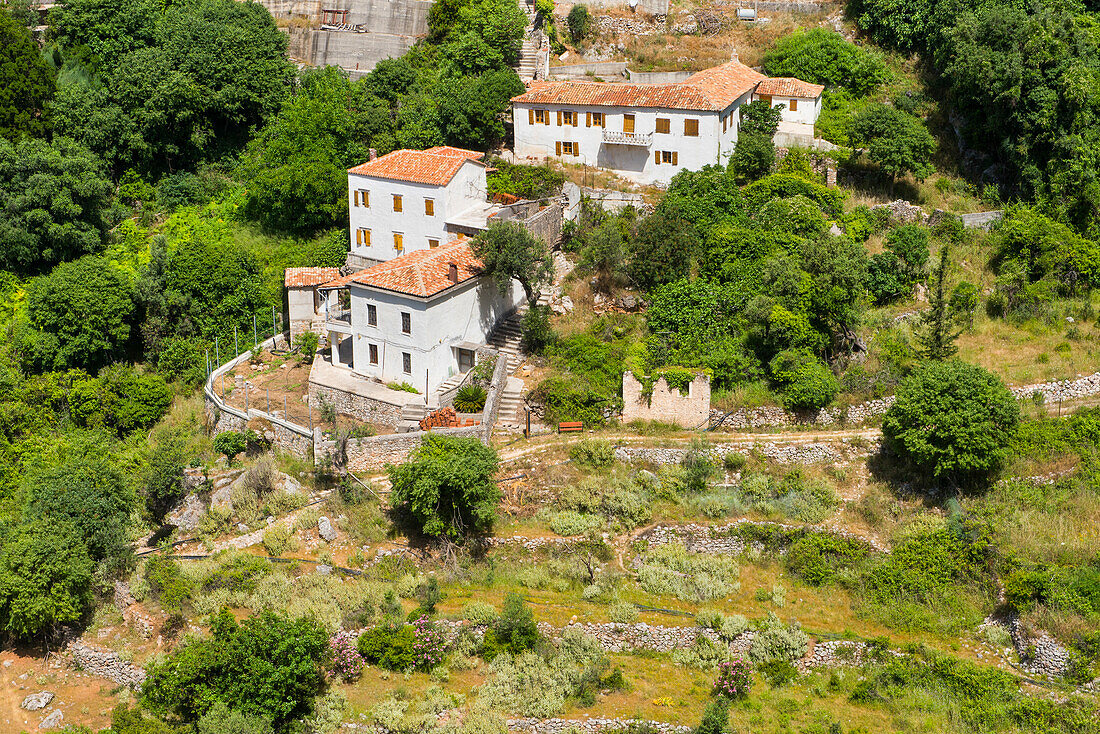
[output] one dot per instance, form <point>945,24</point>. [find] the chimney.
<point>374,154</point>
<point>734,56</point>
<point>453,273</point>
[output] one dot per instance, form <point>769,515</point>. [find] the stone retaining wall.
<point>589,726</point>
<point>374,452</point>
<point>366,409</point>
<point>719,538</point>
<point>107,664</point>
<point>784,453</point>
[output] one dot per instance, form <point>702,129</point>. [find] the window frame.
<point>793,106</point>
<point>372,353</point>
<point>433,242</point>
<point>372,315</point>
<point>406,363</point>
<point>406,322</point>
<point>362,236</point>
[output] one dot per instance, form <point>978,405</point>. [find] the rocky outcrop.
<point>325,529</point>
<point>37,701</point>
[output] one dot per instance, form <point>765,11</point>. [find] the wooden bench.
<point>570,427</point>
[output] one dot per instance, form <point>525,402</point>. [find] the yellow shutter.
<point>557,148</point>
<point>358,236</point>
<point>576,148</point>
<point>366,237</point>
<point>675,158</point>
<point>576,118</point>
<point>398,241</point>
<point>429,207</point>
<point>559,118</point>
<point>366,198</point>
<point>356,198</point>
<point>531,116</point>
<point>657,157</point>
<point>588,119</point>
<point>397,202</point>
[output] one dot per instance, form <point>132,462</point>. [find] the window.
<point>406,323</point>
<point>691,128</point>
<point>594,119</point>
<point>397,202</point>
<point>406,363</point>
<point>362,237</point>
<point>540,117</point>
<point>372,315</point>
<point>766,98</point>
<point>429,207</point>
<point>398,241</point>
<point>662,125</point>
<point>794,105</point>
<point>568,147</point>
<point>567,117</point>
<point>362,197</point>
<point>373,353</point>
<point>628,123</point>
<point>432,243</point>
<point>665,156</point>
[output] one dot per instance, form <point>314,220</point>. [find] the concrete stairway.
<point>527,64</point>
<point>506,340</point>
<point>411,415</point>
<point>509,414</point>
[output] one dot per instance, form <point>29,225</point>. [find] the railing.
<point>620,138</point>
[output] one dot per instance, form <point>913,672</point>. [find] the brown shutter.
<point>366,237</point>
<point>531,116</point>
<point>576,119</point>
<point>576,148</point>
<point>546,117</point>
<point>557,148</point>
<point>356,198</point>
<point>675,158</point>
<point>358,236</point>
<point>588,119</point>
<point>559,118</point>
<point>657,157</point>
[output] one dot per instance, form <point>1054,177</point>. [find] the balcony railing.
<point>620,138</point>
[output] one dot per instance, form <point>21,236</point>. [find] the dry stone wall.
<point>589,726</point>
<point>667,404</point>
<point>373,453</point>
<point>362,407</point>
<point>784,453</point>
<point>107,664</point>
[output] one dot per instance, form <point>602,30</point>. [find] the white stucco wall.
<point>464,190</point>
<point>807,112</point>
<point>635,162</point>
<point>463,314</point>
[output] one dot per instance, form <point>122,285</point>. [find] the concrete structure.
<point>417,319</point>
<point>412,200</point>
<point>304,306</point>
<point>650,132</point>
<point>665,404</point>
<point>801,103</point>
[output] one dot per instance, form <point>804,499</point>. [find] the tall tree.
<point>937,330</point>
<point>509,251</point>
<point>26,82</point>
<point>898,142</point>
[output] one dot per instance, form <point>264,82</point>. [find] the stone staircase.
<point>528,63</point>
<point>506,338</point>
<point>411,415</point>
<point>509,414</point>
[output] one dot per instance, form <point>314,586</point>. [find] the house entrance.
<point>465,360</point>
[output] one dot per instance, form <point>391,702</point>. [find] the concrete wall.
<point>714,144</point>
<point>602,69</point>
<point>464,314</point>
<point>647,7</point>
<point>667,405</point>
<point>657,77</point>
<point>301,310</point>
<point>465,190</point>
<point>546,224</point>
<point>982,220</point>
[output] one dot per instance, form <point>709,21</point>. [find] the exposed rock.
<point>37,701</point>
<point>106,664</point>
<point>291,485</point>
<point>324,569</point>
<point>325,529</point>
<point>52,721</point>
<point>187,513</point>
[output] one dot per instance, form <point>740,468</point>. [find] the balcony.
<point>620,138</point>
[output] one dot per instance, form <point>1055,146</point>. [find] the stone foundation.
<point>366,409</point>
<point>373,453</point>
<point>107,664</point>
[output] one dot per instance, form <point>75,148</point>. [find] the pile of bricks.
<point>445,418</point>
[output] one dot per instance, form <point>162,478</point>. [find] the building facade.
<point>411,200</point>
<point>417,319</point>
<point>648,132</point>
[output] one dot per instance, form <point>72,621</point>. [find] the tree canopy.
<point>509,251</point>
<point>26,82</point>
<point>898,142</point>
<point>823,56</point>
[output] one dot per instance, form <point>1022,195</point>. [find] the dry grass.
<point>1031,352</point>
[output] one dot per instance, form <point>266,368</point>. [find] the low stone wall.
<point>836,653</point>
<point>373,453</point>
<point>982,220</point>
<point>362,407</point>
<point>493,396</point>
<point>720,540</point>
<point>107,664</point>
<point>589,726</point>
<point>784,453</point>
<point>637,636</point>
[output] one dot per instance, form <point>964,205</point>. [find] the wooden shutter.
<point>576,148</point>
<point>366,198</point>
<point>557,148</point>
<point>358,236</point>
<point>397,202</point>
<point>366,237</point>
<point>675,158</point>
<point>531,116</point>
<point>588,119</point>
<point>657,157</point>
<point>429,207</point>
<point>398,241</point>
<point>546,117</point>
<point>559,118</point>
<point>356,198</point>
<point>576,118</point>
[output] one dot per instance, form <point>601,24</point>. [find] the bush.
<point>952,421</point>
<point>777,641</point>
<point>230,443</point>
<point>221,719</point>
<point>715,717</point>
<point>470,399</point>
<point>734,679</point>
<point>778,673</point>
<point>805,381</point>
<point>514,632</point>
<point>620,501</point>
<point>568,523</point>
<point>822,56</point>
<point>579,21</point>
<point>479,612</point>
<point>307,343</point>
<point>168,584</point>
<point>390,646</point>
<point>429,645</point>
<point>623,613</point>
<point>753,157</point>
<point>817,558</point>
<point>536,334</point>
<point>347,663</point>
<point>671,570</point>
<point>593,453</point>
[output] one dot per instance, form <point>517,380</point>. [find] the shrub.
<point>671,569</point>
<point>168,584</point>
<point>777,641</point>
<point>514,632</point>
<point>536,334</point>
<point>569,522</point>
<point>390,646</point>
<point>470,399</point>
<point>579,21</point>
<point>593,453</point>
<point>230,443</point>
<point>621,501</point>
<point>479,612</point>
<point>778,673</point>
<point>822,56</point>
<point>715,717</point>
<point>734,679</point>
<point>753,157</point>
<point>733,626</point>
<point>623,613</point>
<point>347,663</point>
<point>220,719</point>
<point>307,343</point>
<point>817,558</point>
<point>429,644</point>
<point>276,540</point>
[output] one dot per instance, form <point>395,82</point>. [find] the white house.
<point>801,104</point>
<point>304,305</point>
<point>418,318</point>
<point>650,132</point>
<point>411,200</point>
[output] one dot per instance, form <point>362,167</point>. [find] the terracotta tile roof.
<point>436,166</point>
<point>421,273</point>
<point>712,90</point>
<point>306,277</point>
<point>472,155</point>
<point>787,86</point>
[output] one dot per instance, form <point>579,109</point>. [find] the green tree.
<point>268,666</point>
<point>936,328</point>
<point>121,399</point>
<point>45,579</point>
<point>471,109</point>
<point>515,629</point>
<point>26,82</point>
<point>605,253</point>
<point>508,251</point>
<point>230,443</point>
<point>579,21</point>
<point>760,118</point>
<point>952,421</point>
<point>823,56</point>
<point>753,157</point>
<point>662,251</point>
<point>898,142</point>
<point>52,202</point>
<point>447,487</point>
<point>88,492</point>
<point>499,23</point>
<point>82,312</point>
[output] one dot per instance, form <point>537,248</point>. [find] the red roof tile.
<point>712,90</point>
<point>421,273</point>
<point>306,277</point>
<point>436,166</point>
<point>786,86</point>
